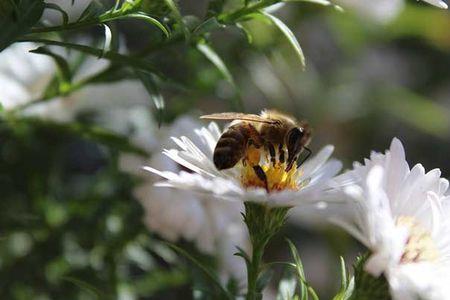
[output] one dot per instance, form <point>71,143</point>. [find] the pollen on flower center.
<point>277,177</point>
<point>419,246</point>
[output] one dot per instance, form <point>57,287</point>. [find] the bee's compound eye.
<point>294,136</point>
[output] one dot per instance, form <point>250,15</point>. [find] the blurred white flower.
<point>402,216</point>
<point>122,107</point>
<point>438,3</point>
<point>240,183</point>
<point>381,11</point>
<point>23,75</point>
<point>216,227</point>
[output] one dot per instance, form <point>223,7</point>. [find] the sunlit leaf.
<point>286,288</point>
<point>148,19</point>
<point>305,289</point>
<point>108,40</point>
<point>217,61</point>
<point>289,35</point>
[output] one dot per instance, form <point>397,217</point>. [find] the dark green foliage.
<point>67,217</point>
<point>368,287</point>
<point>17,17</point>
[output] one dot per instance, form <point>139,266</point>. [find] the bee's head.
<point>296,139</point>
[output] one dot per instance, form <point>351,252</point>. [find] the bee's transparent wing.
<point>230,116</point>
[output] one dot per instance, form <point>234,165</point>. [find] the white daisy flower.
<point>241,183</point>
<point>215,227</point>
<point>402,216</point>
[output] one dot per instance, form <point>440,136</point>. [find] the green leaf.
<point>288,34</point>
<point>60,61</point>
<point>366,286</point>
<point>108,40</point>
<point>53,6</point>
<point>85,286</point>
<point>243,254</point>
<point>343,290</point>
<point>94,9</point>
<point>207,26</point>
<point>247,33</point>
<point>17,18</point>
<point>178,17</point>
<point>209,274</point>
<point>305,289</point>
<point>148,19</point>
<point>113,56</point>
<point>215,7</point>
<point>263,279</point>
<point>286,288</point>
<point>152,89</point>
<point>343,274</point>
<point>85,131</point>
<point>319,2</point>
<point>215,59</point>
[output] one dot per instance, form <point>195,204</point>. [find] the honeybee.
<point>272,130</point>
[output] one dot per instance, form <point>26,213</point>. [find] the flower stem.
<point>263,222</point>
<point>246,10</point>
<point>253,272</point>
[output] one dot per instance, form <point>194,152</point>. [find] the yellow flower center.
<point>420,246</point>
<point>277,177</point>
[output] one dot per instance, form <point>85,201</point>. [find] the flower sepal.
<point>367,286</point>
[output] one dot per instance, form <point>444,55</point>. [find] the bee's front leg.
<point>261,175</point>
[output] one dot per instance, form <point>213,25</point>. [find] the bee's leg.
<point>261,175</point>
<point>281,154</point>
<point>272,153</point>
<point>306,157</point>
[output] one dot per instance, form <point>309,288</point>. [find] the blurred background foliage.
<point>70,225</point>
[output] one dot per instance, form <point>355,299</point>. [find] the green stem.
<point>237,14</point>
<point>254,270</point>
<point>263,222</point>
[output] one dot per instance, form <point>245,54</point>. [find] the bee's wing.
<point>230,116</point>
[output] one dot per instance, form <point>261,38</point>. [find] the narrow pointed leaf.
<point>286,288</point>
<point>217,61</point>
<point>85,286</point>
<point>53,6</point>
<point>108,40</point>
<point>149,20</point>
<point>209,274</point>
<point>177,15</point>
<point>113,56</point>
<point>94,9</point>
<point>289,35</point>
<point>60,61</point>
<point>154,93</point>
